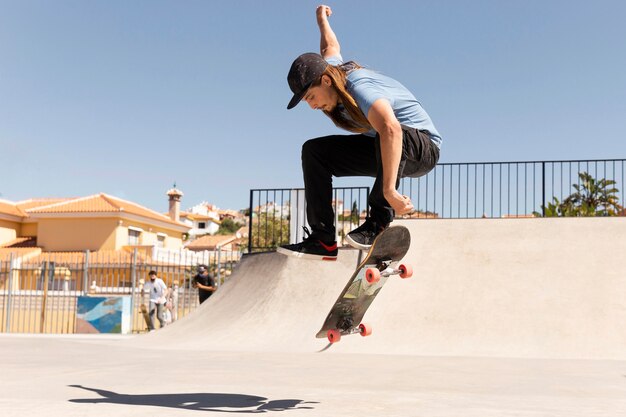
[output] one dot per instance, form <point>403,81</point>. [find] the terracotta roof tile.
<point>91,204</point>
<point>210,242</point>
<point>229,212</point>
<point>7,207</point>
<point>39,202</point>
<point>101,203</point>
<point>20,242</point>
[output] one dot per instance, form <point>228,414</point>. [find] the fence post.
<point>86,273</point>
<point>219,264</point>
<point>543,189</point>
<point>250,222</point>
<point>9,296</point>
<point>45,276</point>
<point>297,214</point>
<point>133,278</point>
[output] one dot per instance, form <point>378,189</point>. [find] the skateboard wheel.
<point>406,271</point>
<point>365,329</point>
<point>333,336</point>
<point>372,275</point>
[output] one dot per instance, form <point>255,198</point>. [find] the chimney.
<point>174,197</point>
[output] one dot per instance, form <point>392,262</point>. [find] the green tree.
<point>354,213</point>
<point>592,197</point>
<point>269,231</point>
<point>228,227</point>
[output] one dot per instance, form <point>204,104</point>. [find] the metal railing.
<point>450,190</point>
<point>277,216</point>
<point>503,189</point>
<point>39,293</point>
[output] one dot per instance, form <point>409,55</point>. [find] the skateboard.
<point>380,263</point>
<point>144,313</point>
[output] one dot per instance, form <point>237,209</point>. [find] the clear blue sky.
<point>126,97</point>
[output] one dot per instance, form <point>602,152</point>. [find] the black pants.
<point>203,295</point>
<point>358,155</point>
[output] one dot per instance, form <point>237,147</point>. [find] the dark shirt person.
<point>205,283</point>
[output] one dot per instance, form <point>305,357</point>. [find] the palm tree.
<point>591,198</point>
<point>594,197</point>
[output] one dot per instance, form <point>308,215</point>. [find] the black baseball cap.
<point>305,70</point>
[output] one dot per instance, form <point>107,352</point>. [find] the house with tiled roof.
<point>11,218</point>
<point>231,214</point>
<point>200,224</point>
<point>203,219</point>
<point>96,222</point>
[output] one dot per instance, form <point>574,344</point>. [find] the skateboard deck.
<point>381,261</point>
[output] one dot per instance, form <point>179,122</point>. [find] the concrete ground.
<point>502,318</point>
<point>104,376</point>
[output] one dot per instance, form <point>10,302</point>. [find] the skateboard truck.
<point>345,323</point>
<point>364,329</point>
<point>373,275</point>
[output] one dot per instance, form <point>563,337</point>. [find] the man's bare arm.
<point>384,121</point>
<point>329,45</point>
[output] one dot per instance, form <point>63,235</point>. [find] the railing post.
<point>219,265</point>
<point>543,189</point>
<point>9,294</point>
<point>250,222</point>
<point>86,273</point>
<point>47,271</point>
<point>367,204</point>
<point>133,279</point>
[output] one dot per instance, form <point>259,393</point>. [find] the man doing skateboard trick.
<point>393,137</point>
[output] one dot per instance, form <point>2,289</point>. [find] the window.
<point>133,237</point>
<point>160,240</point>
<point>202,225</point>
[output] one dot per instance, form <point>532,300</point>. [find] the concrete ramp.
<point>271,303</point>
<point>509,287</point>
<point>482,287</point>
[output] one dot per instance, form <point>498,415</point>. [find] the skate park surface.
<point>503,317</point>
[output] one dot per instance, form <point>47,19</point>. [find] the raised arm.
<point>329,45</point>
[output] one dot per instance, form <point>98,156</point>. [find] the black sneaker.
<point>363,236</point>
<point>311,248</point>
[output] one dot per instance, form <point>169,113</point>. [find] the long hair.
<point>356,122</point>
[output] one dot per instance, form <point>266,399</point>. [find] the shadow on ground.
<point>223,403</point>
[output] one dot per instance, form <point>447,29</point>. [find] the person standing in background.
<point>157,290</point>
<point>205,283</point>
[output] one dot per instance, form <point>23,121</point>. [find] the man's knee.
<point>312,148</point>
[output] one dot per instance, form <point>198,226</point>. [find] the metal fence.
<point>503,189</point>
<point>39,293</point>
<point>277,216</point>
<point>452,190</point>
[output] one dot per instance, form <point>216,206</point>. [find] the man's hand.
<point>323,13</point>
<point>401,204</point>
